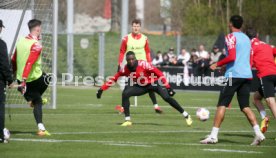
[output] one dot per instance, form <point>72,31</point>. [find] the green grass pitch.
<point>83,126</point>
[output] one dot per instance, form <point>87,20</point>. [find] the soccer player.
<point>5,78</point>
<point>143,78</point>
<point>139,44</point>
<point>238,74</point>
<point>263,60</point>
<point>27,64</point>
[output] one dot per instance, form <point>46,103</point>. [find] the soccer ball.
<point>7,134</point>
<point>202,114</point>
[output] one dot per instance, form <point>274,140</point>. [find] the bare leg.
<point>250,116</point>
<point>272,105</point>
<point>219,117</point>
<point>257,100</point>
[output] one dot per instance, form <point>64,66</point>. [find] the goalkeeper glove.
<point>22,88</point>
<point>171,92</point>
<point>99,93</point>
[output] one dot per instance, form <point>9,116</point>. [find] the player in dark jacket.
<point>5,79</point>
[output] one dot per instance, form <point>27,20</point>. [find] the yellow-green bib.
<point>137,46</point>
<point>23,50</point>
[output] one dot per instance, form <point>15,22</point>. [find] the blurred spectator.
<point>215,54</point>
<point>202,52</point>
<point>194,52</point>
<point>194,64</point>
<point>204,59</point>
<point>223,54</point>
<point>171,53</point>
<point>158,59</point>
<point>166,60</point>
<point>173,61</point>
<point>184,57</point>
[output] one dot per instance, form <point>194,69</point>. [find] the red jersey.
<point>145,74</point>
<point>263,58</point>
<point>123,48</point>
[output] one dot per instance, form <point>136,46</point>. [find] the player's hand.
<point>171,92</point>
<point>213,66</point>
<point>11,85</point>
<point>22,88</point>
<point>99,93</point>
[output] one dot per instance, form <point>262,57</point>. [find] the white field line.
<point>163,106</point>
<point>133,114</point>
<point>135,145</point>
<point>132,143</point>
<point>233,151</point>
<point>140,132</point>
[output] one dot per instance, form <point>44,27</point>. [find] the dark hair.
<point>33,23</point>
<point>136,21</point>
<point>236,21</point>
<point>130,53</point>
<point>251,32</point>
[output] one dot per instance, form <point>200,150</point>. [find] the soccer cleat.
<point>209,140</point>
<point>43,133</point>
<point>189,120</point>
<point>119,108</point>
<point>126,123</point>
<point>158,110</point>
<point>4,141</point>
<point>264,124</point>
<point>258,139</point>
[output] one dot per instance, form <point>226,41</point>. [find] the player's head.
<point>136,26</point>
<point>251,32</point>
<point>35,26</point>
<point>236,22</point>
<point>131,60</point>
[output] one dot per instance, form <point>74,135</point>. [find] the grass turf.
<point>83,126</point>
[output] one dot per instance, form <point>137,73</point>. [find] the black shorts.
<point>239,85</point>
<point>36,88</point>
<point>267,86</point>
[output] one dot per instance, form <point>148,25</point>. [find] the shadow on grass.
<point>238,135</point>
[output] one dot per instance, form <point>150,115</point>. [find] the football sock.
<point>185,114</point>
<point>127,118</point>
<point>214,133</point>
<point>38,111</point>
<point>263,114</point>
<point>41,127</point>
<point>256,129</point>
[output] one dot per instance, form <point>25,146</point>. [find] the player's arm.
<point>161,76</point>
<point>147,50</point>
<point>274,51</point>
<point>109,83</point>
<point>34,55</point>
<point>13,61</point>
<point>5,68</point>
<point>123,49</point>
<point>231,47</point>
<point>252,57</point>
